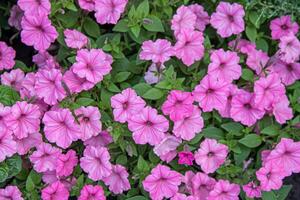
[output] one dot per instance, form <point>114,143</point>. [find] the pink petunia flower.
<point>289,48</point>
<point>14,79</point>
<point>27,87</point>
<point>268,90</point>
<point>49,87</point>
<point>126,104</point>
<point>61,128</point>
<point>7,56</point>
<point>44,60</point>
<point>109,11</point>
<point>179,196</point>
<point>211,155</point>
<point>89,192</point>
<point>187,180</point>
<point>202,185</point>
<point>158,51</point>
<point>117,180</point>
<point>10,193</point>
<point>88,5</point>
<point>212,93</point>
<point>169,156</point>
<point>66,163</point>
<point>50,177</point>
<point>148,127</point>
<point>184,19</point>
<point>189,126</point>
<point>162,182</point>
<point>44,158</point>
<point>101,140</point>
<point>55,191</point>
<point>228,19</point>
<point>225,65</point>
<point>283,26</point>
<point>25,144</point>
<point>288,72</point>
<point>95,162</point>
<point>75,39</point>
<point>8,146</point>
<point>244,110</point>
<point>15,18</point>
<point>75,83</point>
<point>252,190</point>
<point>178,105</point>
<point>189,46</point>
<point>281,110</point>
<point>89,121</point>
<point>92,64</point>
<point>185,158</point>
<point>242,45</point>
<point>225,111</point>
<point>270,177</point>
<point>202,17</point>
<point>4,112</point>
<point>224,190</point>
<point>166,148</point>
<point>154,73</point>
<point>257,61</point>
<point>23,119</point>
<point>31,7</point>
<point>37,31</point>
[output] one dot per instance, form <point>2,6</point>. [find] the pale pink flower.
<point>7,56</point>
<point>92,64</point>
<point>50,177</point>
<point>185,158</point>
<point>154,74</point>
<point>23,119</point>
<point>37,31</point>
<point>179,104</point>
<point>184,19</point>
<point>95,162</point>
<point>167,146</point>
<point>225,65</point>
<point>244,110</point>
<point>8,146</point>
<point>89,192</point>
<point>90,121</point>
<point>257,60</point>
<point>224,190</point>
<point>88,5</point>
<point>225,111</point>
<point>45,61</point>
<point>283,26</point>
<point>212,93</point>
<point>15,18</point>
<point>101,140</point>
<point>281,110</point>
<point>109,11</point>
<point>169,156</point>
<point>75,39</point>
<point>162,182</point>
<point>10,193</point>
<point>211,155</point>
<point>202,17</point>
<point>268,90</point>
<point>44,158</point>
<point>264,155</point>
<point>148,126</point>
<point>48,86</point>
<point>31,7</point>
<point>25,144</point>
<point>158,51</point>
<point>55,191</point>
<point>180,196</point>
<point>65,163</point>
<point>187,180</point>
<point>27,86</point>
<point>228,19</point>
<point>201,185</point>
<point>242,45</point>
<point>252,190</point>
<point>4,112</point>
<point>75,83</point>
<point>126,104</point>
<point>117,180</point>
<point>189,46</point>
<point>189,126</point>
<point>288,72</point>
<point>270,177</point>
<point>13,79</point>
<point>61,128</point>
<point>289,48</point>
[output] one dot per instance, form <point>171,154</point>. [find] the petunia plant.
<point>139,99</point>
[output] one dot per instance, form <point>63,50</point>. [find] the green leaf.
<point>3,172</point>
<point>251,33</point>
<point>83,101</point>
<point>14,165</point>
<point>29,184</point>
<point>121,159</point>
<point>121,26</point>
<point>251,140</point>
<point>268,196</point>
<point>91,27</point>
<point>143,9</point>
<point>142,165</point>
<point>196,139</point>
<point>137,198</point>
<point>213,132</point>
<point>141,88</point>
<point>153,94</point>
<point>136,30</point>
<point>241,157</point>
<point>113,88</point>
<point>121,76</point>
<point>8,96</point>
<point>272,130</point>
<point>262,44</point>
<point>69,19</point>
<point>254,18</point>
<point>247,75</point>
<point>154,24</point>
<point>233,127</point>
<point>283,192</point>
